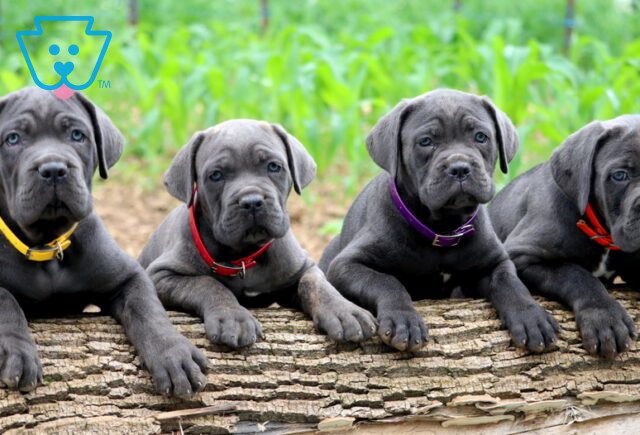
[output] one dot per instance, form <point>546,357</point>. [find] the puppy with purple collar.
<point>420,229</point>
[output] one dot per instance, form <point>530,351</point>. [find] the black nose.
<point>459,170</point>
<point>53,171</point>
<point>252,201</point>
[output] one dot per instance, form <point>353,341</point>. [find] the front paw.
<point>343,320</point>
<point>20,366</point>
<point>176,366</point>
<point>531,326</point>
<point>235,327</point>
<point>606,330</point>
<point>403,329</point>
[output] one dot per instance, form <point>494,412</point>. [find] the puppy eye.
<point>216,176</point>
<point>480,137</point>
<point>274,167</point>
<point>620,176</point>
<point>425,141</point>
<point>12,139</point>
<point>77,135</point>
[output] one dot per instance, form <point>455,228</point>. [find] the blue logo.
<point>62,85</point>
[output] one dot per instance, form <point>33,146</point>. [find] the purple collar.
<point>439,240</point>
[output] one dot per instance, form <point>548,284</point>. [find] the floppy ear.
<point>506,134</point>
<point>181,175</point>
<point>301,164</point>
<point>384,142</point>
<point>572,162</point>
<point>109,140</point>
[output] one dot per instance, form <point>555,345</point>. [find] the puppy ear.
<point>301,164</point>
<point>181,175</point>
<point>384,141</point>
<point>109,140</point>
<point>506,134</point>
<point>572,162</point>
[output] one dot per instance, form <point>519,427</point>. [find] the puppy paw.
<point>344,321</point>
<point>235,327</point>
<point>531,327</point>
<point>20,366</point>
<point>606,330</point>
<point>403,329</point>
<point>176,366</point>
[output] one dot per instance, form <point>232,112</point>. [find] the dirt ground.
<point>131,214</point>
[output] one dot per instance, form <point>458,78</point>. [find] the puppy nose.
<point>253,201</point>
<point>459,170</point>
<point>53,171</point>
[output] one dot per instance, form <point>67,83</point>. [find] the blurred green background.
<point>327,70</point>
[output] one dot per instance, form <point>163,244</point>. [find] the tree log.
<point>468,376</point>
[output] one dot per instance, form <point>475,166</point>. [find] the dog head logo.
<point>69,59</point>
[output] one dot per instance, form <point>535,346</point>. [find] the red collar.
<point>232,268</point>
<point>598,233</point>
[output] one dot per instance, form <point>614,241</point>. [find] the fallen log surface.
<point>468,377</point>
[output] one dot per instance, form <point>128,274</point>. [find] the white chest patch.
<point>602,271</point>
<point>445,277</point>
<point>251,294</point>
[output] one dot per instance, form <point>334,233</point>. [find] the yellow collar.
<point>53,250</point>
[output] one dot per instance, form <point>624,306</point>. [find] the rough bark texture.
<point>296,380</point>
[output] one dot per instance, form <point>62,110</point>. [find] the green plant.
<point>328,70</point>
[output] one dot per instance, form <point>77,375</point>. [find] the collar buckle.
<point>450,240</point>
<point>59,251</point>
<point>591,226</point>
<point>229,270</point>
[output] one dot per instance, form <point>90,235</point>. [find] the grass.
<point>328,70</point>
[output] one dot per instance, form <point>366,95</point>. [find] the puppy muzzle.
<point>251,216</point>
<point>51,186</point>
<point>459,181</point>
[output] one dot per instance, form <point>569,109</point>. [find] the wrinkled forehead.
<point>40,107</point>
<point>448,110</point>
<point>622,148</point>
<point>241,140</point>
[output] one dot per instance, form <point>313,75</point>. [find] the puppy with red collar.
<point>230,246</point>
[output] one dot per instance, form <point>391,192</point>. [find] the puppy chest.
<point>604,270</point>
<point>257,283</point>
<point>40,281</point>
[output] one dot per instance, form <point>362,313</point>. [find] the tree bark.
<point>468,377</point>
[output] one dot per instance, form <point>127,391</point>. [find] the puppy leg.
<point>530,325</point>
<point>20,366</point>
<point>175,364</point>
<point>399,324</point>
<point>225,320</point>
<point>605,326</point>
<point>332,314</point>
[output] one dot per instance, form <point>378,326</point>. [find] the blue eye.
<point>274,167</point>
<point>620,176</point>
<point>12,139</point>
<point>77,135</point>
<point>481,137</point>
<point>216,176</point>
<point>425,141</point>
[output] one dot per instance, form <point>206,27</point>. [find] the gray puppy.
<point>554,220</point>
<point>49,152</point>
<point>247,254</point>
<point>418,230</point>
